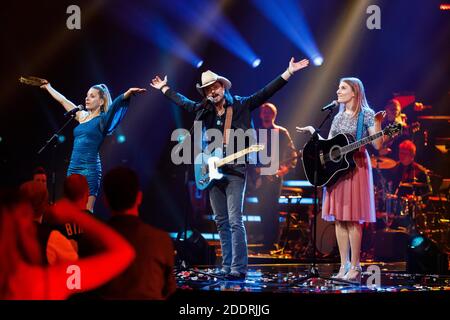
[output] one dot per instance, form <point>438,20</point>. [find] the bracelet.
<point>289,72</point>
<point>164,86</point>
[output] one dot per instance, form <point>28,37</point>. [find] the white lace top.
<point>345,123</point>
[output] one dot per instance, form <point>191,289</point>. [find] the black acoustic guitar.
<point>336,155</point>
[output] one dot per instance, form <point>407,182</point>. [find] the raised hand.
<point>157,83</point>
<point>379,116</point>
<point>306,129</point>
<point>45,85</point>
<point>295,66</point>
<point>133,91</point>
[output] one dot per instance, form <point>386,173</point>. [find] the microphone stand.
<point>54,141</point>
<point>313,272</point>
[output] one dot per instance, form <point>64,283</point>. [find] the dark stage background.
<point>409,54</point>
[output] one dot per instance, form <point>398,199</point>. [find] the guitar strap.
<point>227,127</point>
<point>360,125</point>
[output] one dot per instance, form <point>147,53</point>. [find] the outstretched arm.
<point>175,97</point>
<point>294,67</point>
<point>116,253</point>
<point>258,98</point>
<point>159,84</point>
<point>118,109</point>
<point>133,91</point>
<point>67,104</point>
<point>308,129</point>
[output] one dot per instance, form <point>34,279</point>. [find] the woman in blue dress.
<point>100,118</point>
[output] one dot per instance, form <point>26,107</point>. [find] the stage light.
<point>181,138</point>
<point>256,63</point>
<point>121,138</point>
<point>206,16</point>
<point>154,29</point>
<point>199,64</point>
<point>416,241</point>
<point>61,138</point>
<point>318,61</point>
<point>1,139</point>
<point>288,17</point>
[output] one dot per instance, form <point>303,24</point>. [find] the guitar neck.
<point>358,144</point>
<point>233,157</point>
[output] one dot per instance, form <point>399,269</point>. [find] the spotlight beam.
<point>155,30</point>
<point>206,16</point>
<point>288,17</point>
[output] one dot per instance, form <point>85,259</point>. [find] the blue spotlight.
<point>181,138</point>
<point>207,17</point>
<point>288,17</point>
<point>199,64</point>
<point>417,241</point>
<point>155,30</point>
<point>61,138</point>
<point>121,138</point>
<point>256,62</point>
<point>318,61</point>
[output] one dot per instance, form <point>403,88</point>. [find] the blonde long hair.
<point>105,95</point>
<point>360,95</point>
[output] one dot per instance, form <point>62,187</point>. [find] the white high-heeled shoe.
<point>354,275</point>
<point>343,270</point>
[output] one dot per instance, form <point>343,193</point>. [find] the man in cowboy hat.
<point>226,195</point>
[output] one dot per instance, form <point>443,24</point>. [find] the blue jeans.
<point>227,199</point>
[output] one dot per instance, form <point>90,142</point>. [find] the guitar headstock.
<point>392,130</point>
<point>256,147</point>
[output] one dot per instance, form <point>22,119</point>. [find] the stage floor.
<point>289,278</point>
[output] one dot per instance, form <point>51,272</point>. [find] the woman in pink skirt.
<point>350,200</point>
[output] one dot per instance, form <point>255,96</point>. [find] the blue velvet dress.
<point>88,138</point>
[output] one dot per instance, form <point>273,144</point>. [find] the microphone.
<point>210,100</point>
<point>331,105</point>
<point>74,110</point>
<point>207,103</point>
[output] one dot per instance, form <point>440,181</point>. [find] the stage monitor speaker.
<point>195,250</point>
<point>426,257</point>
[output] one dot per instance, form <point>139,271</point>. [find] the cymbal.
<point>414,184</point>
<point>382,162</point>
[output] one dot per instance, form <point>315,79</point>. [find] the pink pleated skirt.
<point>351,198</point>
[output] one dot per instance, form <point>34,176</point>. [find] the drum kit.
<point>413,207</point>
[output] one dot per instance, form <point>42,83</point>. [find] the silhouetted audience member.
<point>39,175</point>
<point>22,277</point>
<point>150,276</point>
<point>56,248</point>
<point>76,190</point>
